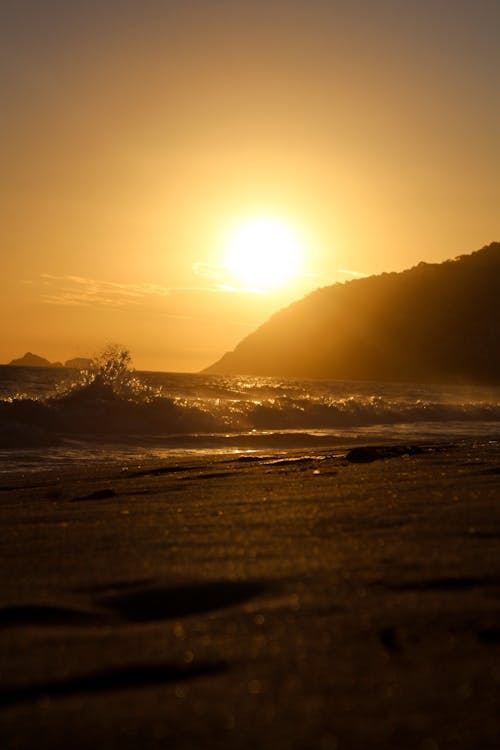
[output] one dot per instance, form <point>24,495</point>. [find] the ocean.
<point>53,417</point>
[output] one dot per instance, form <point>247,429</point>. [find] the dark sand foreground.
<point>322,603</point>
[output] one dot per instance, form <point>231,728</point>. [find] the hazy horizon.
<point>146,147</point>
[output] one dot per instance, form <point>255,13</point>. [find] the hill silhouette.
<point>431,323</point>
<point>34,360</point>
<point>78,363</point>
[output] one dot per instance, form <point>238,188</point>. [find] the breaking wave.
<point>111,402</point>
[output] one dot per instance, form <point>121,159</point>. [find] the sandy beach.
<point>249,375</point>
<point>333,600</point>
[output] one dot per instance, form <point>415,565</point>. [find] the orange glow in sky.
<point>133,134</point>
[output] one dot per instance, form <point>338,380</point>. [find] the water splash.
<point>111,401</point>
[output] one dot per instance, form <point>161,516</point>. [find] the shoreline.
<point>88,453</point>
<point>293,602</point>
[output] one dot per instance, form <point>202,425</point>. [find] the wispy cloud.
<point>80,290</point>
<point>84,291</point>
<point>347,272</point>
<point>210,271</point>
<point>318,279</point>
<point>189,303</point>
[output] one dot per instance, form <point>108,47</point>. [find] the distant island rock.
<point>34,360</point>
<point>78,363</point>
<point>432,323</point>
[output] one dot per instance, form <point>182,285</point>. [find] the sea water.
<point>53,416</point>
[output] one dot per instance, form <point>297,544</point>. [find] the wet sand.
<point>333,601</point>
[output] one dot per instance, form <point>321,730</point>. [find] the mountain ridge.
<point>435,322</point>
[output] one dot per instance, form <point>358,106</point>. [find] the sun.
<point>263,253</point>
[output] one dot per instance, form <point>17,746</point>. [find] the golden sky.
<point>136,134</point>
